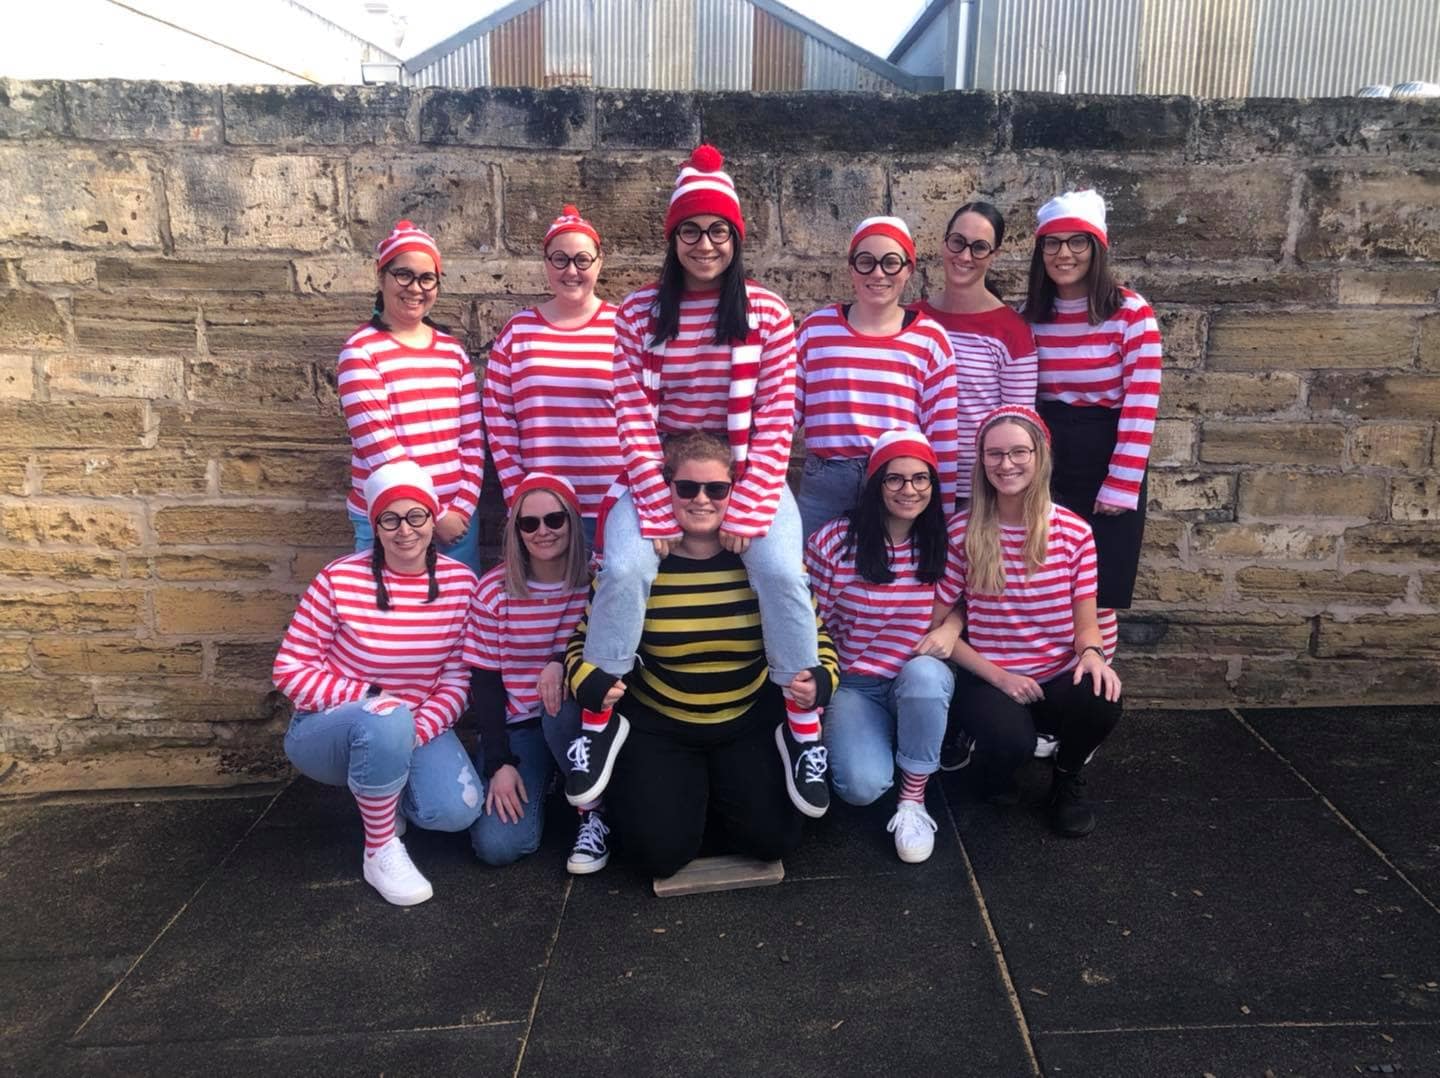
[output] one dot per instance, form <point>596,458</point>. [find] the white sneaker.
<point>1045,746</point>
<point>590,853</point>
<point>914,832</point>
<point>391,872</point>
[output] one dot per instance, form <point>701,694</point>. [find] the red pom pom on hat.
<point>707,158</point>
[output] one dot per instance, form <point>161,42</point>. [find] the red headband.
<point>1012,411</point>
<point>555,484</point>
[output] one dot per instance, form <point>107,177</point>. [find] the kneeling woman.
<point>704,718</point>
<point>524,612</point>
<point>874,572</point>
<point>372,663</point>
<point>1034,659</point>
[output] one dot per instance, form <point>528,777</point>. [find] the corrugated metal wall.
<point>1321,48</point>
<point>1076,46</point>
<point>517,49</point>
<point>467,65</point>
<point>1200,47</point>
<point>569,42</point>
<point>779,55</point>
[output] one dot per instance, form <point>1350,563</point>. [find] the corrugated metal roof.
<point>467,65</point>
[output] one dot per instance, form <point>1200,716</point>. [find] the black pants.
<point>671,778</point>
<point>1004,730</point>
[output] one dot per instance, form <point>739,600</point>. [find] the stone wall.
<point>180,264</point>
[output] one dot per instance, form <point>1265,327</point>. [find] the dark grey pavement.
<point>1262,897</point>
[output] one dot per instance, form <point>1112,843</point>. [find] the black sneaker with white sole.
<point>955,752</point>
<point>1067,807</point>
<point>591,757</point>
<point>806,768</point>
<point>590,853</point>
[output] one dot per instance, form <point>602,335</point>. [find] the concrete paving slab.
<point>1198,913</point>
<point>862,975</point>
<point>851,841</point>
<point>1380,766</point>
<point>100,879</point>
<point>43,1000</point>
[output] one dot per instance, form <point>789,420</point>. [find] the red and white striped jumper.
<point>875,626</point>
<point>549,403</point>
<point>1029,629</point>
<point>517,637</point>
<point>851,387</point>
<point>994,364</point>
<point>419,404</point>
<point>339,642</point>
<point>690,389</point>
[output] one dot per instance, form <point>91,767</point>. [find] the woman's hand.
<point>506,796</point>
<point>1105,509</point>
<point>450,528</point>
<point>1102,675</point>
<point>803,690</point>
<point>1021,689</point>
<point>939,642</point>
<point>612,697</point>
<point>552,687</point>
<point>736,544</point>
<point>662,548</point>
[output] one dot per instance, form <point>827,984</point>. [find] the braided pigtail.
<point>431,554</point>
<point>377,566</point>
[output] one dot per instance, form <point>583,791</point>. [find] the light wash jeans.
<point>540,748</point>
<point>829,488</point>
<point>777,573</point>
<point>375,755</point>
<point>875,724</point>
<point>466,551</point>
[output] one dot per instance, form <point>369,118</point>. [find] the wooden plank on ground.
<point>728,873</point>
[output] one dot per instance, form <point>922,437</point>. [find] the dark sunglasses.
<point>554,521</point>
<point>689,488</point>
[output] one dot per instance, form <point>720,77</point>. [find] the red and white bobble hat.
<point>1074,211</point>
<point>900,443</point>
<point>1011,411</point>
<point>892,228</point>
<point>557,485</point>
<point>406,237</point>
<point>701,188</point>
<point>570,221</point>
<point>389,483</point>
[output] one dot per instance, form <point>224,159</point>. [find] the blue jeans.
<point>499,843</point>
<point>875,724</point>
<point>829,487</point>
<point>774,563</point>
<point>465,550</point>
<point>375,755</point>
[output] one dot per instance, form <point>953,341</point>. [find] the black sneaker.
<point>955,752</point>
<point>806,763</point>
<point>1070,814</point>
<point>589,854</point>
<point>592,758</point>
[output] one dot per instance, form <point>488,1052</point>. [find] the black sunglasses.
<point>554,521</point>
<point>689,488</point>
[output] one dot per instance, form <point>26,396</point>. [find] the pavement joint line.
<point>544,973</point>
<point>1338,1023</point>
<point>1335,809</point>
<point>998,952</point>
<point>313,1035</point>
<point>177,914</point>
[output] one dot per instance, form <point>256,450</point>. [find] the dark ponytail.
<point>377,566</point>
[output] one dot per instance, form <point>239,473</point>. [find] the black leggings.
<point>672,777</point>
<point>1004,730</point>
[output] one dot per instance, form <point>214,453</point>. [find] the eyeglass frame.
<point>415,278</point>
<point>726,489</point>
<point>994,457</point>
<point>969,245</point>
<point>556,521</point>
<point>425,518</point>
<point>919,482</point>
<point>1050,245</point>
<point>559,261</point>
<point>708,232</point>
<point>854,261</point>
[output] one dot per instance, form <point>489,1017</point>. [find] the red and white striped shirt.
<point>850,388</point>
<point>518,637</point>
<point>875,626</point>
<point>994,365</point>
<point>339,642</point>
<point>1113,365</point>
<point>419,404</point>
<point>549,401</point>
<point>1028,629</point>
<point>694,394</point>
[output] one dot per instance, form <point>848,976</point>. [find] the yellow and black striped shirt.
<point>702,657</point>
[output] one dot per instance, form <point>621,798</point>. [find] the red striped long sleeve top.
<point>850,388</point>
<point>692,392</point>
<point>411,403</point>
<point>340,642</point>
<point>549,403</point>
<point>994,364</point>
<point>1113,365</point>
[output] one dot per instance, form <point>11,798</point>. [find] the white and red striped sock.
<point>1109,632</point>
<point>804,722</point>
<point>594,722</point>
<point>378,816</point>
<point>912,786</point>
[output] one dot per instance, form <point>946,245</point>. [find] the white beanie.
<point>399,479</point>
<point>1074,211</point>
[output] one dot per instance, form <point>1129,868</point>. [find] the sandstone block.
<point>104,473</point>
<point>15,477</point>
<point>646,120</point>
<point>311,115</point>
<point>177,274</point>
<point>1174,442</point>
<point>1189,632</point>
<point>1396,544</point>
<point>1176,681</point>
<point>215,429</point>
<point>97,655</point>
<point>14,655</point>
<point>1237,129</point>
<point>122,110</point>
<point>1178,585</point>
<point>1108,124</point>
<point>213,565</point>
<point>926,194</point>
<point>290,327</point>
<point>89,611</point>
<point>30,108</point>
<point>252,379</point>
<point>1415,499</point>
<point>1363,215</point>
<point>804,287</point>
<point>1318,586</point>
<point>1391,445</point>
<point>1163,537</point>
<point>1430,343</point>
<point>510,117</point>
<point>1430,589</point>
<point>1281,542</point>
<point>203,524</point>
<point>82,375</point>
<point>285,475</point>
<point>1247,341</point>
<point>276,202</point>
<point>1377,287</point>
<point>1376,396</point>
<point>1272,443</point>
<point>71,522</point>
<point>452,194</point>
<point>31,320</point>
<point>1189,492</point>
<point>182,708</point>
<point>17,377</point>
<point>1253,282</point>
<point>206,610</point>
<point>305,566</point>
<point>1299,494</point>
<point>51,700</point>
<point>239,661</point>
<point>1184,331</point>
<point>79,197</point>
<point>747,124</point>
<point>1337,682</point>
<point>1374,636</point>
<point>821,203</point>
<point>91,425</point>
<point>626,197</point>
<point>63,566</point>
<point>1208,394</point>
<point>135,325</point>
<point>54,267</point>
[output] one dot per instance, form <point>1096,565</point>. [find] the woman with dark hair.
<point>867,367</point>
<point>549,395</point>
<point>1099,347</point>
<point>704,349</point>
<point>408,393</point>
<point>994,348</point>
<point>372,663</point>
<point>1033,660</point>
<point>702,711</point>
<point>875,572</point>
<point>520,621</point>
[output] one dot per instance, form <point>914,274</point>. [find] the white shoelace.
<point>579,753</point>
<point>591,838</point>
<point>395,860</point>
<point>912,820</point>
<point>816,760</point>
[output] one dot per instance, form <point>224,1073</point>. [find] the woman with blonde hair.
<point>1033,658</point>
